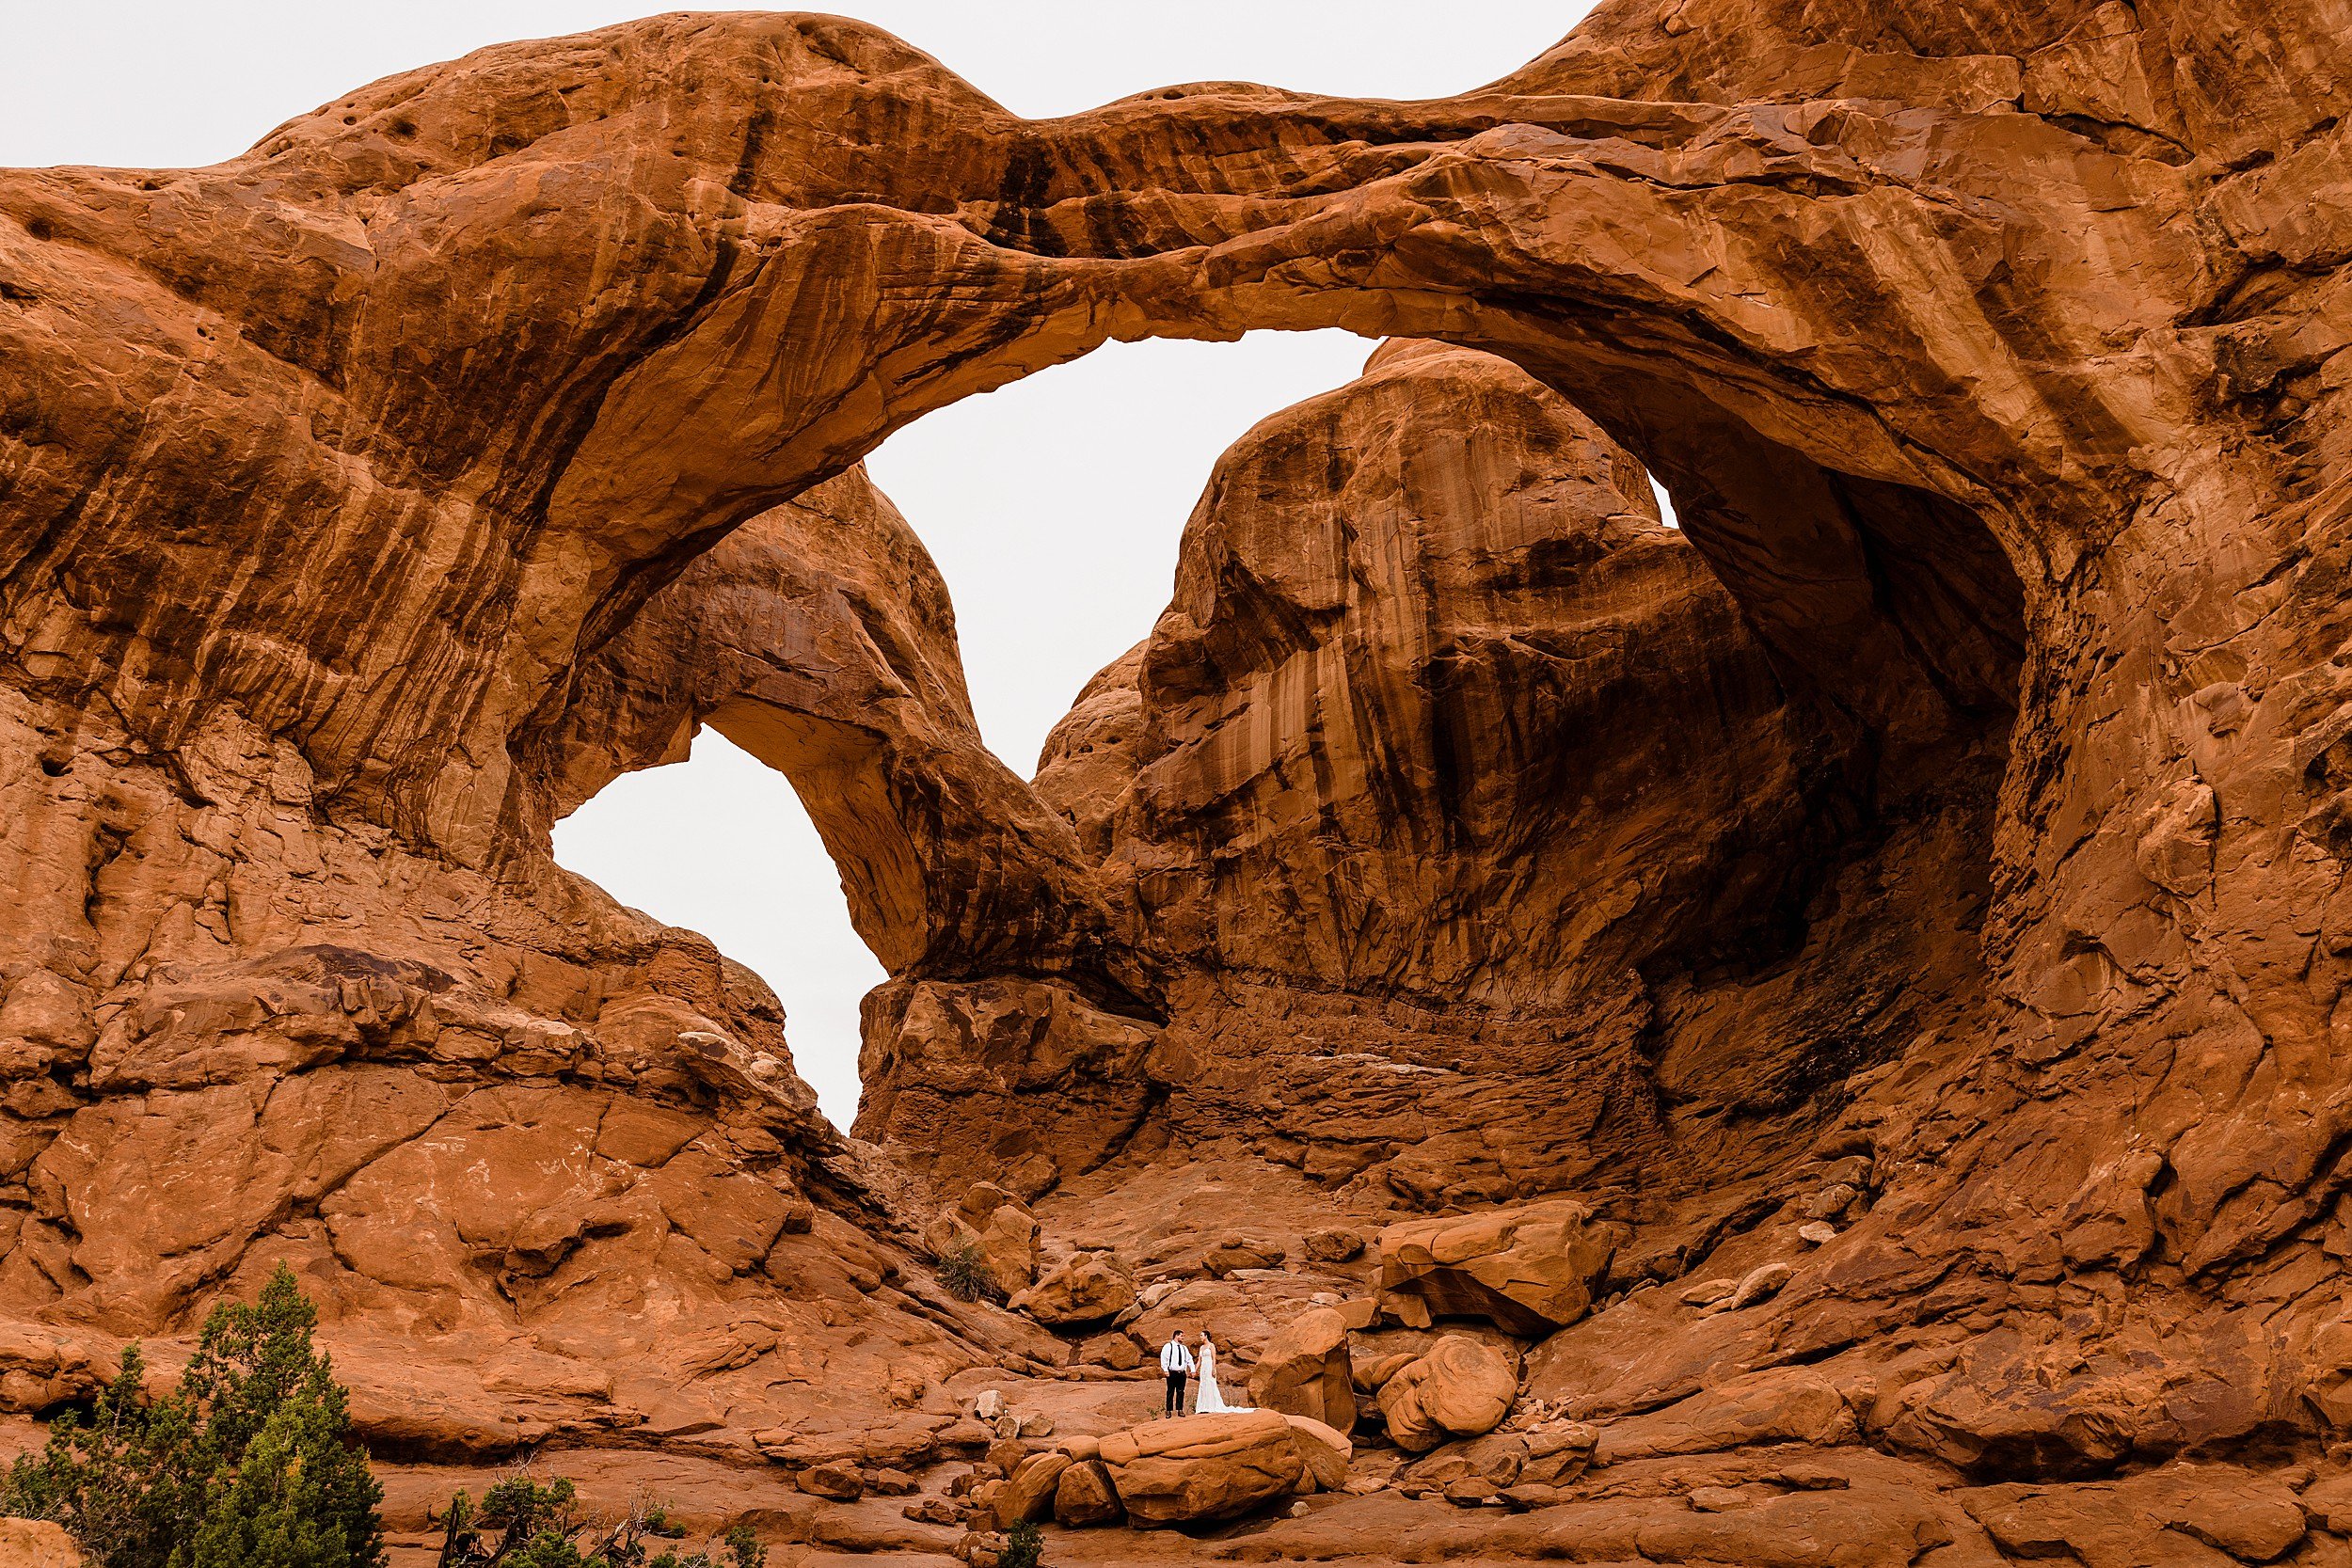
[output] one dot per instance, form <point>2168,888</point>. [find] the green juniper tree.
<point>1025,1546</point>
<point>248,1464</point>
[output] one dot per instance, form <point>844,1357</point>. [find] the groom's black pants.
<point>1175,1393</point>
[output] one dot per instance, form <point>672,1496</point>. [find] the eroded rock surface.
<point>1943,832</point>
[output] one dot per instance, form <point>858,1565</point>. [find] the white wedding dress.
<point>1212,1398</point>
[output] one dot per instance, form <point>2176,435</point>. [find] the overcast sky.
<point>1053,505</point>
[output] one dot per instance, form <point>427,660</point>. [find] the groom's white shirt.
<point>1175,1357</point>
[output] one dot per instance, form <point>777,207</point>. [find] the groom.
<point>1176,1361</point>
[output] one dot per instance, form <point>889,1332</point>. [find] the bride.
<point>1212,1398</point>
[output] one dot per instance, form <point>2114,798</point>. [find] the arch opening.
<point>820,644</point>
<point>1068,951</point>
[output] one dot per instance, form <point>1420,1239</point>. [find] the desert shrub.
<point>249,1463</point>
<point>521,1523</point>
<point>1025,1546</point>
<point>965,1274</point>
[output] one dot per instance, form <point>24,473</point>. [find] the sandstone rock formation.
<point>1528,1270</point>
<point>1085,1291</point>
<point>1084,1495</point>
<point>1307,1371</point>
<point>1951,812</point>
<point>1323,1450</point>
<point>1202,1467</point>
<point>1459,1388</point>
<point>544,1162</point>
<point>994,1227</point>
<point>1030,1491</point>
<point>1305,725</point>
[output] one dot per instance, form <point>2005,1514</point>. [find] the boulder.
<point>966,1433</point>
<point>933,1511</point>
<point>1829,1202</point>
<point>1084,1495</point>
<point>1235,1252</point>
<point>1457,1388</point>
<point>2183,1513</point>
<point>1196,1468</point>
<point>1498,1457</point>
<point>1335,1246</point>
<point>1119,1352</point>
<point>1326,1451</point>
<point>1087,1289</point>
<point>1157,1292</point>
<point>1760,1284</point>
<point>1305,1370</point>
<point>982,1548</point>
<point>1775,1404</point>
<point>997,1226</point>
<point>1557,1454</point>
<point>1028,1494</point>
<point>836,1479</point>
<point>1370,1375</point>
<point>1528,1270</point>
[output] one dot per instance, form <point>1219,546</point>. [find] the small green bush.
<point>522,1524</point>
<point>249,1464</point>
<point>1025,1546</point>
<point>965,1274</point>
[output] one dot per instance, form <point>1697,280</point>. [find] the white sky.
<point>1053,506</point>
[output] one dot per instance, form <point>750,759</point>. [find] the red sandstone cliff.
<point>1992,787</point>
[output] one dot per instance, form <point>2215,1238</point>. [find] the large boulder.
<point>1305,1371</point>
<point>993,1223</point>
<point>1338,1244</point>
<point>1528,1270</point>
<point>1215,1467</point>
<point>1087,1289</point>
<point>1457,1388</point>
<point>1029,1492</point>
<point>1325,1451</point>
<point>1084,1495</point>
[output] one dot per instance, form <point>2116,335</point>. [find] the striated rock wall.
<point>544,1162</point>
<point>1478,839</point>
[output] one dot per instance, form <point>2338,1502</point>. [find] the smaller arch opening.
<point>719,844</point>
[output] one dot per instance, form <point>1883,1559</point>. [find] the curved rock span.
<point>1901,909</point>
